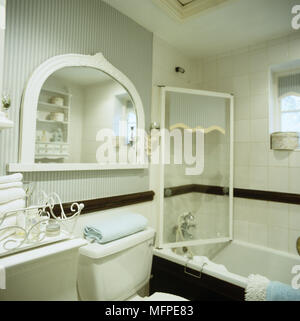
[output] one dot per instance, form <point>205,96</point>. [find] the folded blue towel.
<point>277,291</point>
<point>115,227</point>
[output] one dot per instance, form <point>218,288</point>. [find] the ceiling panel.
<point>185,2</point>
<point>232,25</point>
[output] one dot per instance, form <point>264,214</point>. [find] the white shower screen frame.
<point>160,240</point>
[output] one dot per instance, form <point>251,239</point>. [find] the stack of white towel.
<point>12,197</point>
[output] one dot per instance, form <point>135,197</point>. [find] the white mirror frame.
<point>29,112</point>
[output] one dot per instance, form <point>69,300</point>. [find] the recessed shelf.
<point>51,156</point>
<point>50,106</point>
<point>52,121</point>
<point>55,143</point>
<point>56,92</point>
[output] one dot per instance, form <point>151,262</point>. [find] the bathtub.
<point>237,260</point>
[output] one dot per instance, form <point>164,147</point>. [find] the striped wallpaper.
<point>39,29</point>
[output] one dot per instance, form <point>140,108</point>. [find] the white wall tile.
<point>210,70</point>
<point>241,231</point>
<point>241,86</point>
<point>241,176</point>
<point>279,179</point>
<point>278,214</point>
<point>258,177</point>
<point>241,154</point>
<point>278,238</point>
<point>241,64</point>
<point>242,210</point>
<point>258,60</point>
<point>258,154</point>
<point>294,46</point>
<point>258,234</point>
<point>278,53</point>
<point>294,159</point>
<point>278,158</point>
<point>258,212</point>
<point>256,165</point>
<point>259,130</point>
<point>225,67</point>
<point>225,84</point>
<point>259,83</point>
<point>242,108</point>
<point>294,217</point>
<point>294,181</point>
<point>242,131</point>
<point>259,106</point>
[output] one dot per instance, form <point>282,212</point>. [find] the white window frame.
<point>276,110</point>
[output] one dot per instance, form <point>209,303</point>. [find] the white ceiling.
<point>232,25</point>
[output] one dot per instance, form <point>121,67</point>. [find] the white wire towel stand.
<point>15,238</point>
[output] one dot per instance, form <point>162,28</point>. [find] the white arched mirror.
<point>70,106</point>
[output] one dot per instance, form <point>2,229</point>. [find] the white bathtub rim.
<point>222,275</point>
<point>267,249</point>
<point>225,276</point>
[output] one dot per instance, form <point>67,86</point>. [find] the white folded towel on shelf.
<point>11,185</point>
<point>11,178</point>
<point>2,278</point>
<point>11,206</point>
<point>11,194</point>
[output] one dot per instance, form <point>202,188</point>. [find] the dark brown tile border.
<point>270,196</point>
<point>208,189</point>
<point>195,188</point>
<point>179,190</point>
<point>106,203</point>
<point>278,197</point>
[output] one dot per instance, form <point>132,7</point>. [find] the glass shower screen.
<point>197,163</point>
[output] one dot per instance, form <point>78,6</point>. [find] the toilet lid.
<point>160,296</point>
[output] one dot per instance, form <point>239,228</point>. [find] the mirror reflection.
<point>74,104</point>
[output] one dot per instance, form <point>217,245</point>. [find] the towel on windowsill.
<point>115,227</point>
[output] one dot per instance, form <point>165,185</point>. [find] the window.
<point>131,124</point>
<point>290,113</point>
<point>287,103</point>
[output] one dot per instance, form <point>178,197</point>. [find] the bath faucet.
<point>188,217</point>
<point>187,224</point>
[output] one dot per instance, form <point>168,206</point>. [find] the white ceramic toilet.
<point>118,270</point>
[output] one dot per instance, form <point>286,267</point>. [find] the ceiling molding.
<point>181,12</point>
